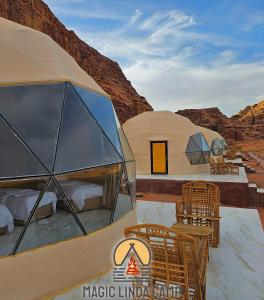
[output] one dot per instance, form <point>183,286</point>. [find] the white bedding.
<point>6,218</point>
<point>79,191</point>
<point>20,202</point>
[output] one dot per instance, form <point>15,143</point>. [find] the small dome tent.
<point>159,141</point>
<point>197,150</point>
<point>215,141</point>
<point>65,161</point>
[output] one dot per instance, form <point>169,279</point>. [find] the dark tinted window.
<point>15,158</point>
<point>52,221</point>
<point>124,200</point>
<point>101,108</point>
<point>128,155</point>
<point>17,199</point>
<point>81,143</point>
<point>197,150</point>
<point>34,112</point>
<point>92,194</point>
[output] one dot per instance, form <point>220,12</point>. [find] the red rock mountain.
<point>107,73</point>
<point>247,125</point>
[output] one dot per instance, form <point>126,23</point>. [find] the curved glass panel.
<point>101,108</point>
<point>17,199</point>
<point>81,144</point>
<point>127,152</point>
<point>34,112</point>
<point>92,193</point>
<point>223,143</point>
<point>131,176</point>
<point>124,200</point>
<point>217,148</point>
<point>16,160</point>
<point>197,150</point>
<point>51,222</point>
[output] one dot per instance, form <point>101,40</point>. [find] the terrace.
<point>235,269</point>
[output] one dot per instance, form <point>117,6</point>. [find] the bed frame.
<point>3,230</point>
<point>40,213</point>
<point>89,204</point>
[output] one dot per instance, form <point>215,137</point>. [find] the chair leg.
<point>204,291</point>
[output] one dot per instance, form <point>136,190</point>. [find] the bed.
<point>6,220</point>
<point>20,203</point>
<point>83,195</point>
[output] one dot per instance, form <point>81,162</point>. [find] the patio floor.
<point>235,270</point>
<point>241,178</point>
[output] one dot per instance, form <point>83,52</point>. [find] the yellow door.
<point>159,157</point>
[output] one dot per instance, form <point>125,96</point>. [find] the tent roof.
<point>159,122</point>
<point>209,134</point>
<point>27,56</point>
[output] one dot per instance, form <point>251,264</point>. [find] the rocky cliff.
<point>107,73</point>
<point>247,125</point>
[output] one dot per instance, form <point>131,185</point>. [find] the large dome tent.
<point>66,169</point>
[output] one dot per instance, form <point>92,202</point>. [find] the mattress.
<point>20,202</point>
<point>6,219</point>
<point>79,192</point>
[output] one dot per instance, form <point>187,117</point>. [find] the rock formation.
<point>107,73</point>
<point>247,125</point>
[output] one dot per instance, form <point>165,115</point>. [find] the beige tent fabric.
<point>27,55</point>
<point>162,126</point>
<point>45,271</point>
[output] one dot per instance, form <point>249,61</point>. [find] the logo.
<point>131,261</point>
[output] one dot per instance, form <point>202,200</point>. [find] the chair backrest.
<point>220,160</point>
<point>212,161</point>
<point>174,256</point>
<point>201,192</point>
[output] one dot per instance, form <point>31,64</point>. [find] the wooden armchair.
<point>213,166</point>
<point>232,169</point>
<point>174,262</point>
<point>231,154</point>
<point>199,206</point>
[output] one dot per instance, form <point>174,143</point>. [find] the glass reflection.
<point>81,143</point>
<point>51,222</point>
<point>124,200</point>
<point>34,112</point>
<point>92,194</point>
<point>17,199</point>
<point>101,108</point>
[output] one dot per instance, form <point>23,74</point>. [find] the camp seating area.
<point>180,253</point>
<point>231,154</point>
<point>199,206</point>
<point>220,167</point>
<point>175,260</point>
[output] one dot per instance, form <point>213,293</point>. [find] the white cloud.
<point>135,17</point>
<point>254,20</point>
<point>175,85</point>
<point>169,19</point>
<point>157,55</point>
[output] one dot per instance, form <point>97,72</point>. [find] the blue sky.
<point>178,53</point>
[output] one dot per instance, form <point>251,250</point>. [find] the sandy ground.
<point>252,146</point>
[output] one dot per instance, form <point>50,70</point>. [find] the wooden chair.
<point>174,261</point>
<point>222,169</point>
<point>232,169</point>
<point>220,160</point>
<point>199,206</point>
<point>213,166</point>
<point>231,154</point>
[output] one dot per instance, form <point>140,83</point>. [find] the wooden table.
<point>201,235</point>
<point>195,231</point>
